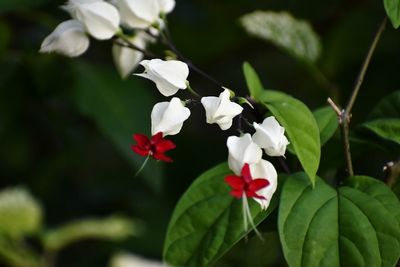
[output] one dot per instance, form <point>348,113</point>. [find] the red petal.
<point>162,157</point>
<point>246,174</point>
<point>141,140</point>
<point>252,194</point>
<point>258,184</point>
<point>157,137</point>
<point>235,182</point>
<point>139,150</point>
<point>164,145</point>
<point>237,193</point>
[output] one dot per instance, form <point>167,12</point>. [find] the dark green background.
<point>66,124</point>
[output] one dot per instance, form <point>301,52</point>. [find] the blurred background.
<point>66,124</point>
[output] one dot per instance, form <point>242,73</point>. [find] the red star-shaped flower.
<point>245,184</point>
<point>154,147</point>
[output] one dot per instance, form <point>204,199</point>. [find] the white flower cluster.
<point>168,118</point>
<point>103,20</point>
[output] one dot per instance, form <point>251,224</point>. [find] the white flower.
<point>69,39</point>
<point>168,117</point>
<point>265,170</point>
<point>139,13</point>
<point>242,150</point>
<point>271,136</point>
<point>166,6</point>
<point>169,76</point>
<point>221,110</point>
<point>101,19</point>
<point>127,59</point>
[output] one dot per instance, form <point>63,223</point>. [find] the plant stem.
<point>127,43</point>
<point>345,115</point>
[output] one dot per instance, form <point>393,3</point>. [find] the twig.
<point>345,115</point>
<point>125,42</point>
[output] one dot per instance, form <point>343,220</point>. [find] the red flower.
<point>155,147</point>
<point>245,184</point>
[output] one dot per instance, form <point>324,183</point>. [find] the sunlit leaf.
<point>294,36</point>
<point>113,228</point>
<point>20,212</point>
<point>356,225</point>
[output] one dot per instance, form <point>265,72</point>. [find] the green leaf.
<point>120,109</point>
<point>386,128</point>
<point>253,81</point>
<point>327,123</point>
<point>207,221</point>
<point>294,36</point>
<point>356,225</point>
<point>21,213</point>
<point>388,107</point>
<point>113,228</point>
<point>300,126</point>
<point>392,8</point>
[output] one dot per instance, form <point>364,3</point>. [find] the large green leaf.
<point>120,109</point>
<point>207,221</point>
<point>388,107</point>
<point>392,8</point>
<point>300,125</point>
<point>385,128</point>
<point>327,123</point>
<point>20,213</point>
<point>113,228</point>
<point>294,36</point>
<point>357,225</point>
<point>252,80</point>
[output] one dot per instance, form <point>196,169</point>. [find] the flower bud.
<point>69,39</point>
<point>138,13</point>
<point>271,136</point>
<point>221,110</point>
<point>242,150</point>
<point>169,76</point>
<point>168,117</point>
<point>127,59</point>
<point>101,19</point>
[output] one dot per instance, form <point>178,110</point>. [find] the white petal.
<point>173,71</point>
<point>168,117</point>
<point>69,39</point>
<point>169,76</point>
<point>242,150</point>
<point>127,59</point>
<point>264,169</point>
<point>166,6</point>
<point>270,136</point>
<point>139,13</point>
<point>100,18</point>
<point>221,110</point>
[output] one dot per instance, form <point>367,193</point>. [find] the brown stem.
<point>345,115</point>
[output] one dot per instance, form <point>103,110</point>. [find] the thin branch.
<point>345,115</point>
<point>125,42</point>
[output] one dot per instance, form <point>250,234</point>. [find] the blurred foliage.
<point>66,125</point>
